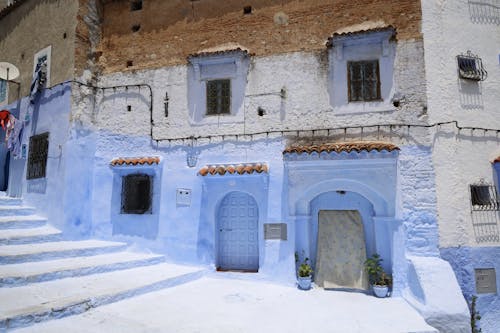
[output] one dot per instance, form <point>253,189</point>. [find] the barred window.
<point>218,97</point>
<point>37,157</point>
<point>363,80</point>
<point>136,194</point>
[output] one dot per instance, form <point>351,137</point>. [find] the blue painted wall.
<point>464,260</point>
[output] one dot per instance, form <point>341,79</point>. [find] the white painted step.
<point>16,210</point>
<point>30,235</point>
<point>23,306</point>
<point>21,274</point>
<point>10,254</point>
<point>22,221</point>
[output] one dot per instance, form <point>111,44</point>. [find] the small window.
<point>37,157</point>
<point>3,91</point>
<point>218,97</point>
<point>135,5</point>
<point>136,194</point>
<point>470,67</point>
<point>363,81</point>
<point>483,197</point>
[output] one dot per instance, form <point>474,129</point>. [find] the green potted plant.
<point>379,279</point>
<point>304,273</point>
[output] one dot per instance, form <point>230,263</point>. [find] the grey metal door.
<point>237,224</point>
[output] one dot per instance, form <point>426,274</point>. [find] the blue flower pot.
<point>304,282</point>
<point>380,291</point>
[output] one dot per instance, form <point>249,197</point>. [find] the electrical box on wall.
<point>275,231</point>
<point>486,281</point>
<point>183,197</point>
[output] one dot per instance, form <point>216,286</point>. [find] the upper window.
<point>218,97</point>
<point>136,194</point>
<point>3,92</point>
<point>37,157</point>
<point>483,197</point>
<point>363,80</point>
<point>361,71</point>
<point>470,67</point>
<point>216,86</point>
<point>41,66</point>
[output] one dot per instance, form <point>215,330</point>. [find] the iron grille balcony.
<point>484,197</point>
<point>470,67</point>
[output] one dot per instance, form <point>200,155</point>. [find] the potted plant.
<point>379,279</point>
<point>304,273</point>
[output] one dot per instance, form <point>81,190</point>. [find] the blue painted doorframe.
<point>238,236</point>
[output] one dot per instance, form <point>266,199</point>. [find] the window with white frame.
<point>216,86</point>
<point>361,70</point>
<point>4,92</point>
<point>41,64</point>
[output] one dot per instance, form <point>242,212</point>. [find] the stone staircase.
<point>44,277</point>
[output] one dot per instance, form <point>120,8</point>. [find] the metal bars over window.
<point>218,97</point>
<point>470,67</point>
<point>136,194</point>
<point>483,197</point>
<point>363,80</point>
<point>37,157</point>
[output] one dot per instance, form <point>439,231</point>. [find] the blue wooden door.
<point>237,225</point>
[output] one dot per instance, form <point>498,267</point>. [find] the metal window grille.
<point>484,197</point>
<point>218,97</point>
<point>136,194</point>
<point>37,157</point>
<point>363,80</point>
<point>470,67</point>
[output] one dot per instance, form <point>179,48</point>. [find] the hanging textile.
<point>13,134</point>
<point>4,118</point>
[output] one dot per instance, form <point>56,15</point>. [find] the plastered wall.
<point>462,157</point>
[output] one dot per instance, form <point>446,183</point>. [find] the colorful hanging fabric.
<point>4,118</point>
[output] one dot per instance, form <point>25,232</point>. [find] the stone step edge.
<point>84,305</point>
<point>18,281</point>
<point>31,239</point>
<point>21,222</point>
<point>59,254</point>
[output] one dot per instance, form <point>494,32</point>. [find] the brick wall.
<point>171,30</point>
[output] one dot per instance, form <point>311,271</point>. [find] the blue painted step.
<point>34,272</point>
<point>23,221</point>
<point>11,254</point>
<point>44,233</point>
<point>16,210</point>
<point>27,305</point>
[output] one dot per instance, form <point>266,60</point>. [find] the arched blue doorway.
<point>238,233</point>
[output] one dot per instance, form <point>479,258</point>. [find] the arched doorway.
<point>238,236</point>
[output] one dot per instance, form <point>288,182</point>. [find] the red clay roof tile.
<point>135,161</point>
<point>342,146</point>
<point>240,169</point>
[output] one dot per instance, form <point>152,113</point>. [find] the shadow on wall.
<point>470,93</point>
<point>485,11</point>
<point>485,224</point>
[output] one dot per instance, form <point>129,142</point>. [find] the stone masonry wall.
<point>171,30</point>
